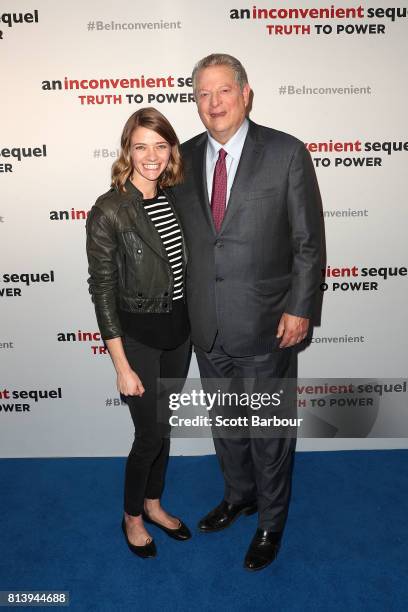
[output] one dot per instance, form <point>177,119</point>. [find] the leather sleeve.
<point>101,248</point>
<point>304,206</point>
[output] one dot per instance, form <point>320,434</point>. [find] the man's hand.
<point>292,330</point>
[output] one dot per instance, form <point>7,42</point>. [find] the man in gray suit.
<point>250,211</point>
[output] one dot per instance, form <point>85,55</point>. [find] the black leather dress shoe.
<point>263,549</point>
<point>181,532</point>
<point>145,551</point>
<point>224,515</point>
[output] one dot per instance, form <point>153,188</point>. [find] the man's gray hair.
<point>221,59</point>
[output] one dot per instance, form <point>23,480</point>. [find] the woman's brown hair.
<point>151,119</point>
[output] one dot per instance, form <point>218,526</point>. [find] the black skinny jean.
<point>147,461</point>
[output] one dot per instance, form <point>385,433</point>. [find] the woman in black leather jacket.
<point>137,260</point>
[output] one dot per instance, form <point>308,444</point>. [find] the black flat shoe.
<point>181,532</point>
<point>224,515</point>
<point>263,549</point>
<point>146,551</point>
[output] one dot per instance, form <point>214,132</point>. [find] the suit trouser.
<point>147,461</point>
<point>254,468</point>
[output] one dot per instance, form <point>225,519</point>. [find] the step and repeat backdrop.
<point>331,73</point>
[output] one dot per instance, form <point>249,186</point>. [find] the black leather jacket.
<point>128,264</point>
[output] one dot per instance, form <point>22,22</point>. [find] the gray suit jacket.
<point>266,258</point>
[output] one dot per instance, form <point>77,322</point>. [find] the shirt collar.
<point>234,145</point>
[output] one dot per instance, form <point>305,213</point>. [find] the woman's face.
<point>150,155</point>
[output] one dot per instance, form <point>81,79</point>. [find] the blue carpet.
<point>345,546</point>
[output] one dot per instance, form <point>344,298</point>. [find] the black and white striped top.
<point>165,222</point>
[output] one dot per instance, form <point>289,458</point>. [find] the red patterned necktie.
<point>219,190</point>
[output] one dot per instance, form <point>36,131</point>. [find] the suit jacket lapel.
<point>200,177</point>
<point>248,162</point>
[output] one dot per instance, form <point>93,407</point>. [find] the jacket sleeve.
<point>304,206</point>
<point>101,248</point>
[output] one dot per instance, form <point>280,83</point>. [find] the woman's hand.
<point>129,383</point>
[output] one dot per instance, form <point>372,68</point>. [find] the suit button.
<point>140,294</point>
<point>219,279</point>
<point>219,244</point>
<point>138,251</point>
<point>166,293</point>
<point>139,305</point>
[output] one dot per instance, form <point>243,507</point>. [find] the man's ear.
<point>246,90</point>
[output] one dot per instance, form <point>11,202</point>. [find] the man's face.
<point>221,103</point>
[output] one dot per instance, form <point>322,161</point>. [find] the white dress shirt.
<point>233,149</point>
